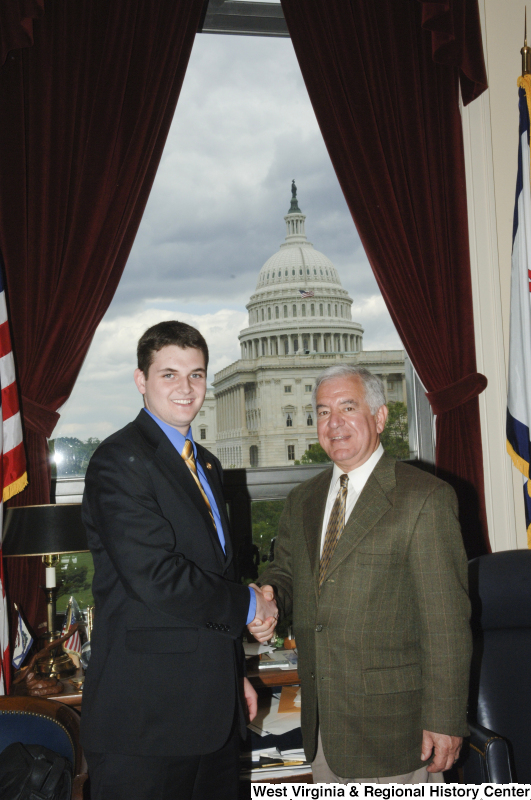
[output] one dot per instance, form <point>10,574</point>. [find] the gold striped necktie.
<point>189,460</point>
<point>336,523</point>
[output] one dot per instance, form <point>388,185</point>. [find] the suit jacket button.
<point>318,628</point>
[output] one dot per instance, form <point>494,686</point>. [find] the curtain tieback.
<point>458,393</point>
<point>37,418</point>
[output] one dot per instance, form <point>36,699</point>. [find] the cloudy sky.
<point>244,127</point>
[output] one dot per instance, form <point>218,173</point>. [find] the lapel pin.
<point>208,465</point>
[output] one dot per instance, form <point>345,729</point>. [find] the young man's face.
<point>175,386</point>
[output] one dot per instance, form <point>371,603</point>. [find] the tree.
<point>265,517</point>
<point>314,455</point>
<point>395,436</point>
<point>71,455</point>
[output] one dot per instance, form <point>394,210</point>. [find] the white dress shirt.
<point>357,478</point>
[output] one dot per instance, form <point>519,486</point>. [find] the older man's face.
<point>347,430</point>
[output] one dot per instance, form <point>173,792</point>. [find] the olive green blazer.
<point>384,648</point>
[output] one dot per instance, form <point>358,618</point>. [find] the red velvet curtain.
<point>85,115</point>
<point>385,92</point>
<point>16,24</point>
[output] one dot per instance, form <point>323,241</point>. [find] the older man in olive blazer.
<point>383,636</point>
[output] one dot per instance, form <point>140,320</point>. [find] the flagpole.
<point>526,51</point>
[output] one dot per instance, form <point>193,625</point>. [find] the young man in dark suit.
<point>165,696</point>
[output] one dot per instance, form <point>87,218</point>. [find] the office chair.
<point>36,720</point>
<point>500,696</point>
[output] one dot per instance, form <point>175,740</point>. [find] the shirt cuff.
<point>252,606</point>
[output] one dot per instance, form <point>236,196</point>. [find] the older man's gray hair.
<point>374,388</point>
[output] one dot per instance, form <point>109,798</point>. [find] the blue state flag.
<point>23,643</point>
<point>519,390</point>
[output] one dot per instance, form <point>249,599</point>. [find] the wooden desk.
<point>265,678</point>
<point>70,696</point>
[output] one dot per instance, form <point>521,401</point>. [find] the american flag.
<point>14,477</point>
<point>306,293</point>
<point>73,645</point>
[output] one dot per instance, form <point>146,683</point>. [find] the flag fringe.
<point>15,487</point>
<point>524,82</point>
<point>520,463</point>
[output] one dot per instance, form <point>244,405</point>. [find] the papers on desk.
<point>261,765</point>
<point>270,720</point>
<point>256,648</point>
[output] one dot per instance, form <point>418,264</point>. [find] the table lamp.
<point>48,531</point>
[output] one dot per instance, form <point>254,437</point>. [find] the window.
<point>315,344</point>
<point>309,418</point>
<point>202,413</point>
<point>287,389</point>
<point>300,270</point>
<point>294,310</point>
<point>291,452</point>
<point>312,310</point>
<point>289,421</point>
<point>335,310</point>
<point>304,309</point>
<point>263,347</point>
<point>329,310</point>
<point>295,345</point>
<point>305,345</point>
<point>286,348</point>
<point>269,312</point>
<point>285,311</point>
<point>262,315</point>
<point>308,388</point>
<point>277,312</point>
<point>253,455</point>
<point>321,309</point>
<point>202,433</point>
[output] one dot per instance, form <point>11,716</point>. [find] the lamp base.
<point>56,663</point>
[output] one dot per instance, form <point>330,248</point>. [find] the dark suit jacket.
<point>166,656</point>
<point>384,649</point>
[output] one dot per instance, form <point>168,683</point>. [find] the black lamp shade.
<point>39,530</point>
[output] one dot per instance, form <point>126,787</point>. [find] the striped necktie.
<point>336,523</point>
<point>189,460</point>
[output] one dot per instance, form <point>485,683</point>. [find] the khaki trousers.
<point>323,774</point>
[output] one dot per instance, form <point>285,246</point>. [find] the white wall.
<point>490,127</point>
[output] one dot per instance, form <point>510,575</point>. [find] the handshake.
<point>266,618</point>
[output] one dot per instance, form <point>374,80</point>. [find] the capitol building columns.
<point>299,322</point>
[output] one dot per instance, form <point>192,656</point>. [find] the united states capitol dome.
<point>299,305</point>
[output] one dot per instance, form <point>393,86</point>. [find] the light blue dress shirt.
<point>178,440</point>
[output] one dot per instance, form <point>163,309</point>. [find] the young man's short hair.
<point>167,333</point>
